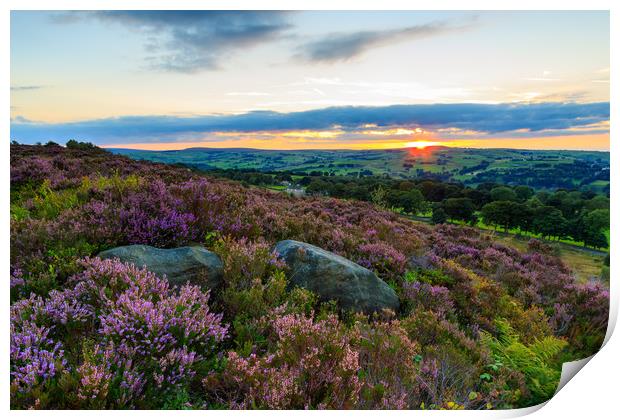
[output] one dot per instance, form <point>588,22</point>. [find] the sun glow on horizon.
<point>269,141</point>
<point>421,144</point>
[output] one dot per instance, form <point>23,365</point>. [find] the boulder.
<point>333,277</point>
<point>193,264</point>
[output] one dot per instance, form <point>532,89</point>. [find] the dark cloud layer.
<point>191,40</point>
<point>342,47</point>
<point>490,119</point>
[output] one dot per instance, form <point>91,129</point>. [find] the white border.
<point>592,395</point>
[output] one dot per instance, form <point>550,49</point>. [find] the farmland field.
<point>538,169</point>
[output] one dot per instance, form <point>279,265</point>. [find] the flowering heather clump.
<point>246,261</point>
<point>428,297</point>
<point>147,336</point>
<point>498,260</point>
<point>313,365</point>
<point>89,333</point>
<point>34,170</point>
<point>95,379</point>
<point>389,373</point>
<point>17,278</point>
<point>165,338</point>
<point>582,314</point>
<point>536,245</point>
<point>160,333</point>
<point>382,258</point>
<point>154,216</point>
<point>35,357</point>
<point>216,208</point>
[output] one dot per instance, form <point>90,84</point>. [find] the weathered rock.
<point>333,277</point>
<point>194,264</point>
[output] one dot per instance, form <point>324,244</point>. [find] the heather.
<point>480,325</point>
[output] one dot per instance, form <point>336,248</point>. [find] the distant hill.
<point>540,169</point>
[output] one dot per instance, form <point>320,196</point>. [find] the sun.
<point>421,144</point>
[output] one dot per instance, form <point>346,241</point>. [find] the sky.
<point>311,80</point>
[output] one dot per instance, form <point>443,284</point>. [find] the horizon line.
<point>357,149</point>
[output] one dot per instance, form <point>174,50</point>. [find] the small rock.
<point>193,264</point>
<point>333,277</point>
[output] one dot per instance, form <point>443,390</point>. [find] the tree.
<point>524,192</point>
<point>591,229</point>
<point>507,214</point>
<point>557,198</point>
<point>498,213</point>
<point>597,220</point>
<point>595,239</point>
<point>439,215</point>
<point>503,194</point>
<point>598,202</point>
<point>524,216</point>
<point>534,203</point>
<point>378,197</point>
<point>406,185</point>
<point>549,222</point>
<point>487,186</point>
<point>339,190</point>
<point>479,197</point>
<point>542,196</point>
<point>318,186</point>
<point>285,177</point>
<point>411,201</point>
<point>82,145</point>
<point>460,209</point>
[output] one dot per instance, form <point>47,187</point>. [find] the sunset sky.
<point>302,80</point>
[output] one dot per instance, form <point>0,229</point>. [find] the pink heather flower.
<point>311,358</point>
<point>383,258</point>
<point>434,298</point>
<point>94,380</point>
<point>17,278</point>
<point>147,333</point>
<point>35,357</point>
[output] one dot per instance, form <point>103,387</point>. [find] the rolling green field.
<point>539,169</point>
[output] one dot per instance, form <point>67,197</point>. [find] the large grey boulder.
<point>195,264</point>
<point>333,277</point>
